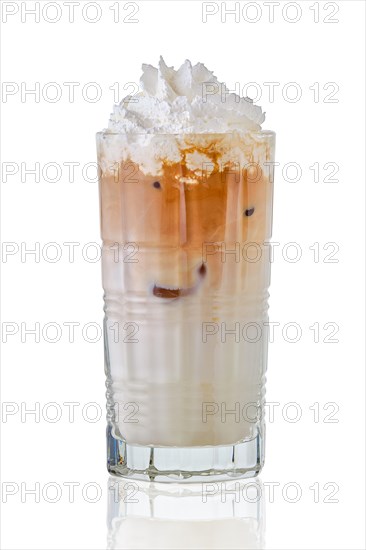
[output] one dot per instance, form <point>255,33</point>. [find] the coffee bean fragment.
<point>157,185</point>
<point>249,211</point>
<point>162,292</point>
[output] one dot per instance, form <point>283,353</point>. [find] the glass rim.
<point>263,133</point>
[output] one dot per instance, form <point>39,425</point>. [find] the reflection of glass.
<point>215,515</point>
<point>185,274</point>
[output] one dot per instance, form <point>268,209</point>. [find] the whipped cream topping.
<point>187,100</point>
<point>182,116</point>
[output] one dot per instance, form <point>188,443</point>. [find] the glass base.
<point>185,464</point>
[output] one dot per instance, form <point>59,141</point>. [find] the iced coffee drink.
<point>186,210</point>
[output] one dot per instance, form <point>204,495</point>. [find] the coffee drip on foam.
<point>172,102</point>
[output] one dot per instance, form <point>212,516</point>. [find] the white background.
<point>310,130</point>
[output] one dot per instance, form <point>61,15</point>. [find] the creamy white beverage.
<point>186,211</point>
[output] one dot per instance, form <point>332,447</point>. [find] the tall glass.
<point>185,222</point>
